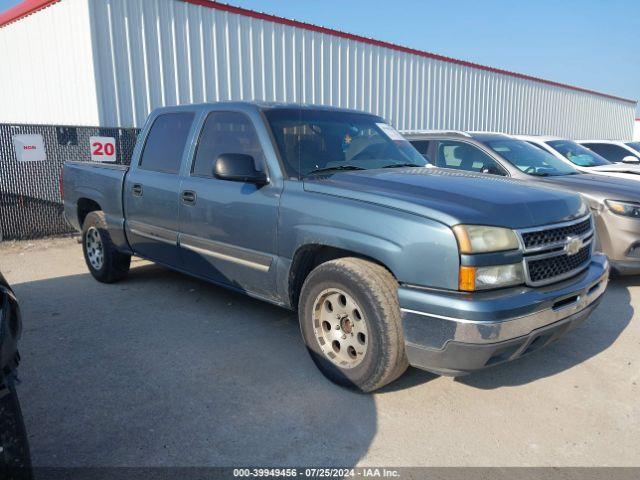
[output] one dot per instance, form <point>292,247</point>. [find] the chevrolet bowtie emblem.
<point>573,245</point>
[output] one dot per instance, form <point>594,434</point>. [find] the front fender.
<point>415,249</point>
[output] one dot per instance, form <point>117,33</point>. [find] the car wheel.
<point>105,262</point>
<point>350,321</point>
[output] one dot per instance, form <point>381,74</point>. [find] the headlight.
<point>626,209</point>
<point>482,239</point>
<point>497,276</point>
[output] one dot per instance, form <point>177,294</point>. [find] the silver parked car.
<point>614,202</point>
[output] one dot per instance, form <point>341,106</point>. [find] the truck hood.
<point>598,187</point>
<point>453,197</point>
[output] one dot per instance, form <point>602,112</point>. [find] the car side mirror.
<point>630,159</point>
<point>238,167</point>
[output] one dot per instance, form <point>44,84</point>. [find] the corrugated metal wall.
<point>47,68</point>
<point>163,52</point>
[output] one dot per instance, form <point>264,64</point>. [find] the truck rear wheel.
<point>350,321</point>
<point>105,263</point>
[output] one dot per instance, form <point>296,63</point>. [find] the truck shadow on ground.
<point>594,336</point>
<point>165,370</point>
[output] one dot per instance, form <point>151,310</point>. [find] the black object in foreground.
<point>15,458</point>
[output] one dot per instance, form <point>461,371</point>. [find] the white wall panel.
<point>47,68</point>
<point>110,62</point>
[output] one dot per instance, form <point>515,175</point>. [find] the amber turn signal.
<point>467,279</point>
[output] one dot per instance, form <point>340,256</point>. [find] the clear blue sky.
<point>6,4</point>
<point>589,43</point>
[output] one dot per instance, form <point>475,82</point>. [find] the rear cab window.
<point>166,142</point>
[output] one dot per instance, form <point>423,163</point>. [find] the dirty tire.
<point>115,264</point>
<point>375,291</point>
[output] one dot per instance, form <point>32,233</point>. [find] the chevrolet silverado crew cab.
<point>332,213</point>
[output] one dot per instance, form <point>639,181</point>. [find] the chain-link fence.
<point>30,201</point>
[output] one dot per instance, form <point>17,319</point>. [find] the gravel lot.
<point>163,370</point>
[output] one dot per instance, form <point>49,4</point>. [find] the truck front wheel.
<point>350,321</point>
<point>105,263</point>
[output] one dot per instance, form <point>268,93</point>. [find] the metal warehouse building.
<point>109,62</point>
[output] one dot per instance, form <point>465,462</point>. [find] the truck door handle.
<point>136,190</point>
<point>188,197</point>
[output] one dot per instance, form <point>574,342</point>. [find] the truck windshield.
<point>313,142</point>
<point>577,154</point>
<point>530,159</point>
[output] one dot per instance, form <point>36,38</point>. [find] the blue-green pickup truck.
<point>332,213</point>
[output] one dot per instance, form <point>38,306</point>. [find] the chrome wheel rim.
<point>340,328</point>
<point>95,250</point>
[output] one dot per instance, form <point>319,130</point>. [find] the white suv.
<point>615,151</point>
<point>581,158</point>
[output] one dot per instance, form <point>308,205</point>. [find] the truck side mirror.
<point>238,167</point>
<point>630,159</point>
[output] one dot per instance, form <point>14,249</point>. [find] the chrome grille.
<point>548,253</point>
<point>559,265</point>
<point>542,238</point>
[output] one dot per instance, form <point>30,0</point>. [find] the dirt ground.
<point>161,369</point>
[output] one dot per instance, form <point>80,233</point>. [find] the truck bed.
<point>85,182</point>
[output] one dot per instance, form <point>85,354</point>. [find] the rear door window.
<point>166,142</point>
<point>226,132</point>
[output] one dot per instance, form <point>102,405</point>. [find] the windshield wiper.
<point>339,167</point>
<point>397,165</point>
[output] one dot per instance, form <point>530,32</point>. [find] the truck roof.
<point>262,105</point>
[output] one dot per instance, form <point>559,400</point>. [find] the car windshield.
<point>530,159</point>
<point>577,154</point>
<point>324,142</point>
<point>634,145</point>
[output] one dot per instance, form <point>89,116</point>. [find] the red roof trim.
<point>27,7</point>
<point>358,38</point>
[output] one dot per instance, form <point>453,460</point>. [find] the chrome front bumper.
<point>454,334</point>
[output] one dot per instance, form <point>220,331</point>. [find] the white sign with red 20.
<point>103,149</point>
